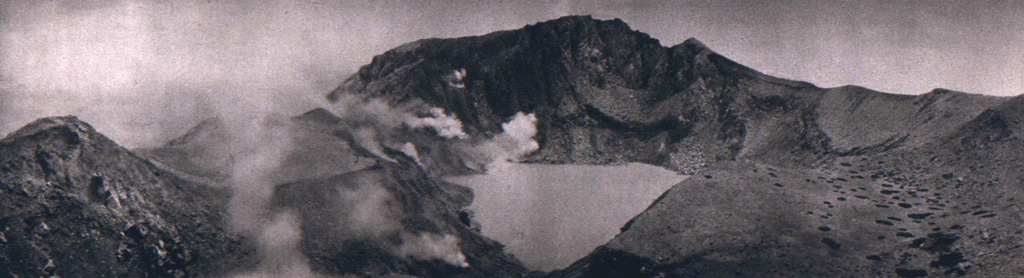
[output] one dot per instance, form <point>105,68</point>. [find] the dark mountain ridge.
<point>794,175</point>
<point>606,93</point>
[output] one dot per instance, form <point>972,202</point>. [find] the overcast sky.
<point>143,71</point>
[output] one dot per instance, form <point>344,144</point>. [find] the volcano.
<point>787,179</point>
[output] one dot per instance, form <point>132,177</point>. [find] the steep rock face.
<point>76,204</point>
<point>602,92</point>
<point>606,93</point>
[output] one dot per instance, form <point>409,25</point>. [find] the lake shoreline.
<point>549,215</point>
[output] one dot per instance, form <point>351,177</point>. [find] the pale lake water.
<point>552,215</point>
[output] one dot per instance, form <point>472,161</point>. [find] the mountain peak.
<point>941,91</point>
<point>582,20</point>
<point>694,43</point>
<point>320,115</point>
<point>573,61</point>
<point>586,26</point>
<point>68,123</point>
<point>692,47</point>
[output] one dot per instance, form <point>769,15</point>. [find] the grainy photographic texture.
<point>511,139</point>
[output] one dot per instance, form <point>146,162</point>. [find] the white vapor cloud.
<point>515,141</point>
<point>411,114</point>
<point>447,126</point>
<point>373,122</point>
<point>369,139</point>
<point>280,256</point>
<point>369,210</point>
<point>257,148</point>
<point>410,149</point>
<point>258,145</point>
<point>428,246</point>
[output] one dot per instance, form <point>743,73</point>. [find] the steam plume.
<point>279,251</point>
<point>257,150</point>
<point>410,149</point>
<point>258,147</point>
<point>446,126</point>
<point>428,246</point>
<point>376,117</point>
<point>515,141</point>
<point>369,210</point>
<point>368,139</point>
<point>411,114</point>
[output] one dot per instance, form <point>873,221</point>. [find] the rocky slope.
<point>894,215</point>
<point>800,180</point>
<point>75,204</point>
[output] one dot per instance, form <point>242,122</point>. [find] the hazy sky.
<point>144,71</point>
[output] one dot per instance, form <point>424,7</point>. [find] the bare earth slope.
<point>885,215</point>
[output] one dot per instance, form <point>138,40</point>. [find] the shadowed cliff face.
<point>602,92</point>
